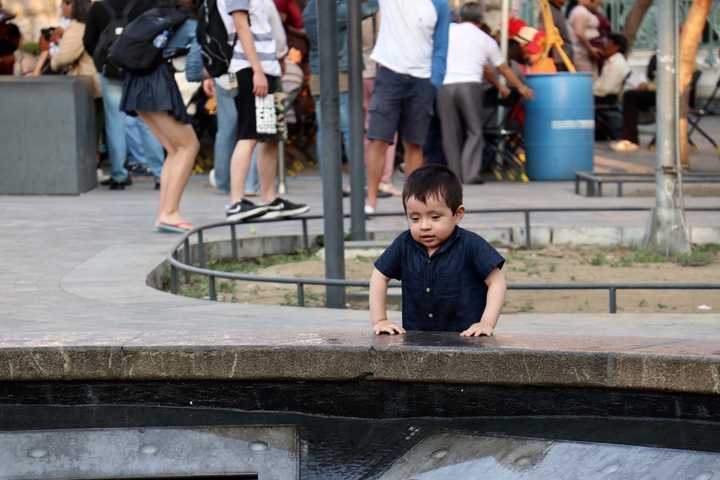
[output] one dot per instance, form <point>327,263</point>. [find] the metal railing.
<point>182,249</point>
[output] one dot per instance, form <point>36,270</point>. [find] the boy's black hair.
<point>432,180</point>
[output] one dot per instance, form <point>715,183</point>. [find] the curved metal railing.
<point>182,249</point>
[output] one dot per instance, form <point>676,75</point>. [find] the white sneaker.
<point>211,178</point>
<point>369,210</point>
<point>102,176</point>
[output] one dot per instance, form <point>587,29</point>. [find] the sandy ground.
<point>549,265</point>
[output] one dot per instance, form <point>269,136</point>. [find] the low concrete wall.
<point>47,136</point>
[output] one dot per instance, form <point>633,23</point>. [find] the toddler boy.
<point>451,278</point>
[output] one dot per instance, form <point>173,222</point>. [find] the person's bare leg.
<point>389,163</point>
<point>267,169</point>
<point>413,157</point>
<point>376,164</point>
<point>239,167</point>
<point>182,146</point>
<point>170,149</point>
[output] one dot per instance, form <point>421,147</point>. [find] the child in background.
<point>451,278</point>
<point>533,45</point>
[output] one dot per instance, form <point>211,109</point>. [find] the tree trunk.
<point>690,38</point>
<point>634,20</point>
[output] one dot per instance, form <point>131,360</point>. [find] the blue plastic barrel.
<point>559,126</point>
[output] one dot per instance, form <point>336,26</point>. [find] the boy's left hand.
<point>478,330</point>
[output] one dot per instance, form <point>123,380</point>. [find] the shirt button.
<point>427,290</point>
<point>430,315</point>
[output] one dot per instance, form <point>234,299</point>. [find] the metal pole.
<point>357,122</point>
<point>504,21</point>
<point>528,233</point>
<point>306,237</point>
<point>301,294</point>
<point>668,231</point>
<point>233,239</point>
<point>282,184</point>
<point>330,132</point>
<point>201,249</point>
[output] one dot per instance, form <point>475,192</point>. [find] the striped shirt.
<point>261,31</point>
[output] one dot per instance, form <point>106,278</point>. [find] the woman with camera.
<point>70,56</point>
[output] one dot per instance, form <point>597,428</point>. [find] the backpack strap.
<point>109,9</point>
<point>128,8</point>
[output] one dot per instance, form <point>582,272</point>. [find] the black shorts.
<point>245,104</point>
<point>400,103</point>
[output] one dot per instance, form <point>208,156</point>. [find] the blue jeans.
<point>143,146</point>
<point>115,133</point>
<point>225,142</point>
<point>344,124</point>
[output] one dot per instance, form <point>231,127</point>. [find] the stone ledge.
<point>642,364</point>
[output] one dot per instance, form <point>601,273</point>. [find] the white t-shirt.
<point>612,78</point>
<point>405,41</point>
<point>261,30</point>
<point>582,15</point>
<point>469,49</point>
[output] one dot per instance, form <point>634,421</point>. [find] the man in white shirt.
<point>411,51</point>
<point>615,70</point>
<point>459,103</point>
<point>608,88</point>
<point>255,73</point>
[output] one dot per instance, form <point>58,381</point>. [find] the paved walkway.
<point>74,271</point>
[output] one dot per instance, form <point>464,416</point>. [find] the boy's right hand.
<point>387,327</point>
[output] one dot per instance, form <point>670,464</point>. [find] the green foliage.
<point>599,260</point>
<point>645,255</point>
<point>33,48</point>
<point>250,265</point>
<point>696,258</point>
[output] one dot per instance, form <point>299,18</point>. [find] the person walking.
<point>369,36</point>
<point>460,99</point>
<point>227,117</point>
<point>99,17</point>
<point>310,17</point>
<point>154,96</point>
<point>255,71</point>
<point>412,40</point>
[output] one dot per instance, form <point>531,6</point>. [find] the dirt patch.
<point>555,264</point>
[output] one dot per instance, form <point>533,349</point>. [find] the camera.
<point>47,33</point>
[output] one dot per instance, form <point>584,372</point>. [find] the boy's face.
<point>433,222</point>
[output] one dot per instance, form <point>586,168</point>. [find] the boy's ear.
<point>459,213</point>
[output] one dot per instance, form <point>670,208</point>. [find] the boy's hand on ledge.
<point>387,327</point>
<point>478,330</point>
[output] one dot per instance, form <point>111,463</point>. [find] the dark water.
<point>502,447</point>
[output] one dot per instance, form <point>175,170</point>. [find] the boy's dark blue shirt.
<point>445,292</point>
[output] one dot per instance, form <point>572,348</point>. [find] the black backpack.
<point>216,45</point>
<point>107,39</point>
<point>140,47</point>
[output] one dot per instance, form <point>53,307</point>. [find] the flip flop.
<point>182,227</point>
